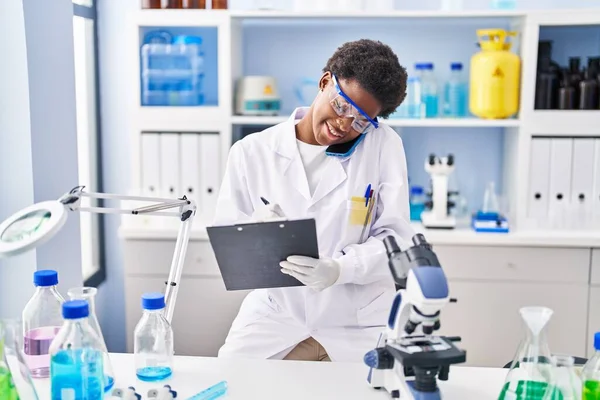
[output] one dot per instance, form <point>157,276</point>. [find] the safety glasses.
<point>346,108</point>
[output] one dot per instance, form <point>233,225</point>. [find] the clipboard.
<point>249,254</point>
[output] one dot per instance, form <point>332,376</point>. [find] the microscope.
<point>439,216</point>
<point>407,363</point>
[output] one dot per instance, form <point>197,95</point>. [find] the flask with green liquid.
<point>591,373</point>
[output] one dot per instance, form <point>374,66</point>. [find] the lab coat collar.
<point>285,145</point>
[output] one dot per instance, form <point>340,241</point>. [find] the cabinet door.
<point>594,318</point>
<point>487,318</point>
<point>203,313</point>
<point>596,267</point>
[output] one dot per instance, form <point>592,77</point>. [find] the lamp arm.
<point>186,212</point>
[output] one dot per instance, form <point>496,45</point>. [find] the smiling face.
<point>327,126</point>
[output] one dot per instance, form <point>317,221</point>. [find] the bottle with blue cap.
<point>76,367</point>
<point>455,93</point>
<point>42,320</point>
<point>429,89</point>
<point>153,341</point>
<point>591,373</point>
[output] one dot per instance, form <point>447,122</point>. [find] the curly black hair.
<point>376,69</point>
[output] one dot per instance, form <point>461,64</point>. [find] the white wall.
<point>38,137</point>
<point>112,18</point>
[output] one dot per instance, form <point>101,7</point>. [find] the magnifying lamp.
<point>38,223</point>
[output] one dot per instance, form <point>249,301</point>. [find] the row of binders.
<point>564,183</point>
<point>178,164</point>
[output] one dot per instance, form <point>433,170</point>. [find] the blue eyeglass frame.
<point>339,91</point>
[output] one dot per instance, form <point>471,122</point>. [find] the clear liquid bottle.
<point>490,199</point>
<point>89,294</point>
<point>591,373</point>
<point>455,93</point>
<point>15,377</point>
<point>531,375</point>
<point>567,380</point>
<point>414,101</point>
<point>42,320</point>
<point>429,89</point>
<point>76,370</point>
<point>153,341</point>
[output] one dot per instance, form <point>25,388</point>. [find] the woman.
<point>334,162</point>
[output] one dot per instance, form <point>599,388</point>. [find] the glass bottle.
<point>455,93</point>
<point>567,381</point>
<point>219,4</point>
<point>490,199</point>
<point>15,377</point>
<point>89,295</point>
<point>429,89</point>
<point>42,320</point>
<point>591,373</point>
<point>197,4</point>
<point>76,370</point>
<point>417,202</point>
<point>153,341</point>
<point>531,375</point>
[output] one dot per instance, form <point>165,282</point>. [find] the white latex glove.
<point>268,212</point>
<point>316,273</point>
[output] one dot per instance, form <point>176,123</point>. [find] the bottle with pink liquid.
<point>42,319</point>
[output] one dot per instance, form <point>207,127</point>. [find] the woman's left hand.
<point>317,273</point>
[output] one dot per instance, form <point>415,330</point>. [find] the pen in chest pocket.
<point>369,205</point>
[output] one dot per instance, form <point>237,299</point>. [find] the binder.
<point>582,184</point>
<point>150,168</point>
<point>561,166</point>
<point>596,186</point>
<point>169,166</point>
<point>190,167</point>
<point>210,173</point>
<point>539,181</point>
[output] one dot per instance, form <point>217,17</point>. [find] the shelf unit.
<point>517,132</point>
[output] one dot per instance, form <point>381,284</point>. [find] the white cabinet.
<point>204,310</point>
<point>487,318</point>
<point>596,267</point>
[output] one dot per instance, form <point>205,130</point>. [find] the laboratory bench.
<point>490,275</point>
<point>291,380</point>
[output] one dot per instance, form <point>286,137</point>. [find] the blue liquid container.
<point>504,4</point>
<point>455,93</point>
<point>417,202</point>
<point>429,90</point>
<point>76,357</point>
<point>414,102</point>
<point>153,341</point>
<point>172,73</point>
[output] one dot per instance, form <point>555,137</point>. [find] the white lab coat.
<point>347,317</point>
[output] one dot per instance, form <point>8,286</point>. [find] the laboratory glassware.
<point>152,4</point>
<point>591,373</point>
<point>197,4</point>
<point>153,341</point>
<point>219,4</point>
<point>89,295</point>
<point>76,369</point>
<point>417,202</point>
<point>15,377</point>
<point>414,99</point>
<point>531,374</point>
<point>42,320</point>
<point>567,380</point>
<point>567,96</point>
<point>494,77</point>
<point>589,91</point>
<point>504,4</point>
<point>455,93</point>
<point>429,89</point>
<point>490,199</point>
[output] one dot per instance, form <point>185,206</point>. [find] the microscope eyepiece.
<point>391,246</point>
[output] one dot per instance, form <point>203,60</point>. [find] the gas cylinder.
<point>495,76</point>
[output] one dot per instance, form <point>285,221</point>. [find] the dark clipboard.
<point>249,254</point>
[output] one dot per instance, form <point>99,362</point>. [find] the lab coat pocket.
<point>377,311</point>
<point>357,212</point>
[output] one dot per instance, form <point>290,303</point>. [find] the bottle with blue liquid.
<point>429,89</point>
<point>76,357</point>
<point>455,93</point>
<point>417,202</point>
<point>153,341</point>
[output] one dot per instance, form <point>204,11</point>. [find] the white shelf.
<point>565,123</point>
<point>455,237</point>
<point>179,119</point>
<point>286,14</point>
<point>433,122</point>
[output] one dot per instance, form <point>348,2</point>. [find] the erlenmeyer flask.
<point>567,380</point>
<point>15,377</point>
<point>89,294</point>
<point>531,375</point>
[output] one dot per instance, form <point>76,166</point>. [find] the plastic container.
<point>415,108</point>
<point>153,341</point>
<point>42,319</point>
<point>455,93</point>
<point>172,74</point>
<point>590,373</point>
<point>76,370</point>
<point>89,295</point>
<point>417,202</point>
<point>429,89</point>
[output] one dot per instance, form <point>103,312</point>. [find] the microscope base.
<point>430,221</point>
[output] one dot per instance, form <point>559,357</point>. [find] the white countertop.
<point>456,237</point>
<point>290,380</point>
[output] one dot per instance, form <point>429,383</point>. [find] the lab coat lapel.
<point>285,145</point>
<point>333,176</point>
